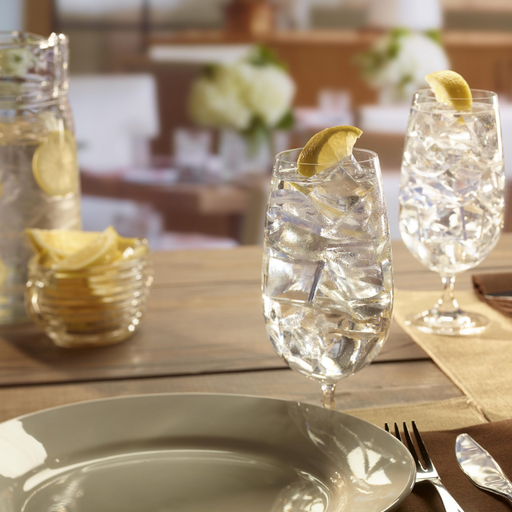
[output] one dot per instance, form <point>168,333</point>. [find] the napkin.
<point>494,283</point>
<point>494,437</point>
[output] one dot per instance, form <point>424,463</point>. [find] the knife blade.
<point>480,467</point>
<point>499,295</point>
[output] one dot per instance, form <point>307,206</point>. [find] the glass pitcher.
<point>39,179</point>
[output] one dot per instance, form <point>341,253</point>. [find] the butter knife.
<point>507,295</point>
<point>479,466</point>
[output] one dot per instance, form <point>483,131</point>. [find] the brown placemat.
<point>494,283</point>
<point>494,437</point>
<point>481,366</point>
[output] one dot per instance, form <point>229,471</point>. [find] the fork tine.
<point>410,444</point>
<point>386,427</point>
<point>423,449</point>
<point>397,433</point>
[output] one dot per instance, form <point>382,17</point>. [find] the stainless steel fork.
<point>426,472</point>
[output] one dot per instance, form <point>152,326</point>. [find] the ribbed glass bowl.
<point>99,305</point>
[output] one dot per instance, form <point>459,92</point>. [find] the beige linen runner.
<point>481,365</point>
<point>442,415</point>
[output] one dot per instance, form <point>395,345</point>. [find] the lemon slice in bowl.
<point>451,89</point>
<point>54,164</point>
<point>326,148</point>
<point>60,242</point>
<point>102,249</point>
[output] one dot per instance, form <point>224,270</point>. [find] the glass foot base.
<point>451,323</point>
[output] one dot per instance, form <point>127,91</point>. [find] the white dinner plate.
<point>199,453</point>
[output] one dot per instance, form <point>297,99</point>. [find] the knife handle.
<point>450,505</point>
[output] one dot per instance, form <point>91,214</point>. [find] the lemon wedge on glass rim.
<point>326,148</point>
<point>451,89</point>
<point>54,164</point>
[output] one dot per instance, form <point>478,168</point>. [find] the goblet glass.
<point>452,198</point>
<point>327,276</point>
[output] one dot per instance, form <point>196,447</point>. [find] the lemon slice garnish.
<point>326,148</point>
<point>61,242</point>
<point>102,249</point>
<point>451,89</point>
<point>54,164</point>
<point>125,243</point>
<point>67,249</point>
<point>3,272</point>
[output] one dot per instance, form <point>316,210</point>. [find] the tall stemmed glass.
<point>452,198</point>
<point>327,277</point>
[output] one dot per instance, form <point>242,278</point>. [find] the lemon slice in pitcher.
<point>326,148</point>
<point>54,164</point>
<point>451,89</point>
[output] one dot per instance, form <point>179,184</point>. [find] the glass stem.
<point>328,399</point>
<point>447,303</point>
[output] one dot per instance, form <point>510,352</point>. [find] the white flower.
<point>217,100</point>
<point>237,95</point>
<point>268,92</point>
<point>417,56</point>
<point>420,56</point>
<point>15,62</point>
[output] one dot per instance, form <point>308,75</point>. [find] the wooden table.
<point>204,332</point>
<point>215,210</point>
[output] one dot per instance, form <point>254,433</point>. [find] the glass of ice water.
<point>452,198</point>
<point>327,277</point>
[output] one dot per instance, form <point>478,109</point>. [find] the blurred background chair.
<point>116,117</point>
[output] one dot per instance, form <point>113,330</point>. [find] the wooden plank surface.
<point>215,267</point>
<point>383,384</point>
<point>204,317</point>
<point>244,265</point>
<point>186,331</point>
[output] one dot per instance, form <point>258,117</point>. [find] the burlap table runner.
<point>481,365</point>
<point>441,415</point>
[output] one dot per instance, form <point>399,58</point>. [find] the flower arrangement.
<point>251,95</point>
<point>398,62</point>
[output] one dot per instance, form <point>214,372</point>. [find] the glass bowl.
<point>94,306</point>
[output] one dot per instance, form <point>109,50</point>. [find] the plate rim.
<point>392,506</point>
